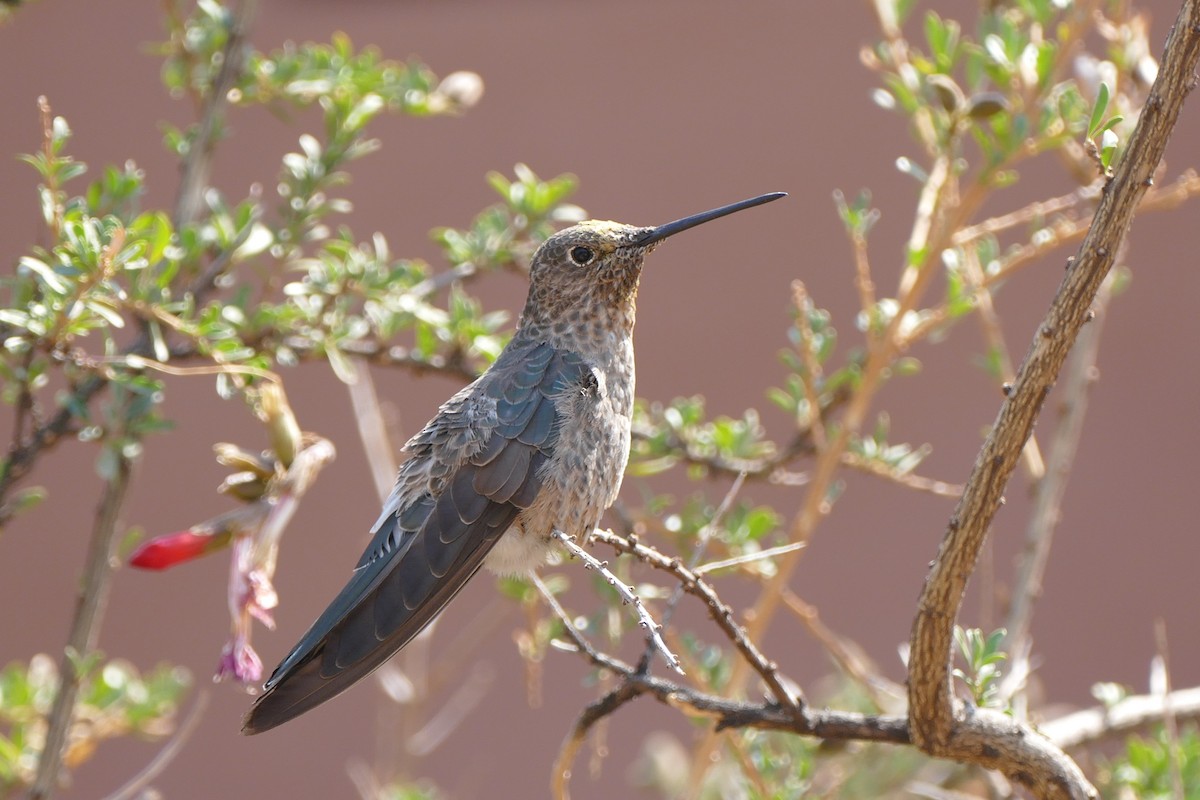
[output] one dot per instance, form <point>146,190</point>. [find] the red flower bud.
<point>175,548</point>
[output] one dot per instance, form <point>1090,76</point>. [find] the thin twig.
<point>993,334</point>
<point>721,613</point>
<point>167,754</point>
<point>884,693</point>
<point>812,366</point>
<point>628,596</point>
<point>594,712</point>
<point>746,558</point>
<point>373,431</point>
<point>194,177</point>
<point>862,276</point>
<point>907,479</point>
<point>85,629</point>
<point>1170,724</point>
<point>702,540</point>
<point>1027,214</point>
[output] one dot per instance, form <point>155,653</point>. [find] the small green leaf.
<point>1098,110</point>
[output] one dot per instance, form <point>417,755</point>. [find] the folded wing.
<point>485,455</point>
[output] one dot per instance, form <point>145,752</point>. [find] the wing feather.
<point>483,470</point>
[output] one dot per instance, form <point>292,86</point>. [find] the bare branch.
<point>702,540</point>
<point>937,726</point>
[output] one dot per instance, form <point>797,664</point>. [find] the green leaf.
<point>1098,110</point>
<point>53,281</point>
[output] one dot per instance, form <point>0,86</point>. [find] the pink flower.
<point>175,548</point>
<point>239,662</point>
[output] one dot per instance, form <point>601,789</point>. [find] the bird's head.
<point>595,266</point>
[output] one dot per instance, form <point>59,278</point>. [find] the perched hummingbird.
<point>538,443</point>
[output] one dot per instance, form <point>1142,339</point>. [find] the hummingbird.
<point>536,444</point>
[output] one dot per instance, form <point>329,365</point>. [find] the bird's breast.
<point>583,476</point>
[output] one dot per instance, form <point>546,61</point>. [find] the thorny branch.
<point>721,613</point>
<point>985,737</point>
<point>702,541</point>
<point>628,597</point>
<point>938,725</point>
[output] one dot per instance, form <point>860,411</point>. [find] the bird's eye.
<point>582,255</point>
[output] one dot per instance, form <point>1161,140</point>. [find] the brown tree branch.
<point>85,628</point>
<point>937,725</point>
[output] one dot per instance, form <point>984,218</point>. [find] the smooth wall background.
<point>661,109</point>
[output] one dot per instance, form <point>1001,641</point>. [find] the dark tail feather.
<point>332,657</point>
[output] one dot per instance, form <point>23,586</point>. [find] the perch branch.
<point>628,596</point>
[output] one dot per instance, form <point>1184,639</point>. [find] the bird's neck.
<point>597,327</point>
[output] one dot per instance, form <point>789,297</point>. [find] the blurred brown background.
<point>661,109</point>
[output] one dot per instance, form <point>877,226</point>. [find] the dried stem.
<point>701,546</point>
<point>883,693</point>
<point>937,726</point>
<point>85,629</point>
<point>373,431</point>
<point>1134,713</point>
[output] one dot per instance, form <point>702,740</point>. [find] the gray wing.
<point>425,550</point>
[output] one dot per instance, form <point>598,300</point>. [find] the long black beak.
<point>672,228</point>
